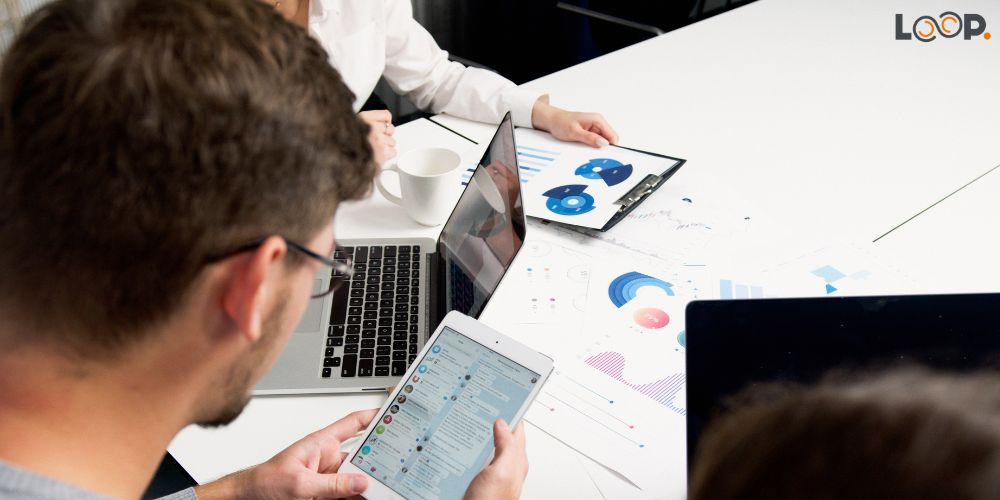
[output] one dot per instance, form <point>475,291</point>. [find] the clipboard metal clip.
<point>639,192</point>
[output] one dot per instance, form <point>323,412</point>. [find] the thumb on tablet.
<point>503,477</point>
<point>511,452</point>
<point>331,485</point>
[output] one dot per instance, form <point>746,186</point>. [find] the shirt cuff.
<point>520,101</point>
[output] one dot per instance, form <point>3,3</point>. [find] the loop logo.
<point>947,25</point>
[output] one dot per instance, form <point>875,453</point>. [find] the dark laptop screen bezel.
<point>439,286</point>
<point>733,344</point>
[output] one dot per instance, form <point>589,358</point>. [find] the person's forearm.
<point>231,486</point>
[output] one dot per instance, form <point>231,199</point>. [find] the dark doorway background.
<point>527,39</point>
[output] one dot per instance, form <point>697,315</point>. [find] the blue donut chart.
<point>593,168</point>
<point>616,175</point>
<point>609,170</point>
<point>624,288</point>
<point>569,200</point>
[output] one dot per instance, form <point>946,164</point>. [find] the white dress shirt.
<point>367,39</point>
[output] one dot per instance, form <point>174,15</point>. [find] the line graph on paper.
<point>567,399</point>
<point>613,425</point>
<point>687,226</point>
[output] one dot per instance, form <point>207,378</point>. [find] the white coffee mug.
<point>429,178</point>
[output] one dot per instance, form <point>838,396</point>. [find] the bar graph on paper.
<point>729,289</point>
<point>530,162</point>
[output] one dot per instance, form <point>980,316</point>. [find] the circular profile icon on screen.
<point>534,379</point>
<point>394,409</point>
<point>416,378</point>
<point>408,389</point>
<point>366,449</point>
<point>422,369</point>
<point>436,349</point>
<point>380,429</point>
<point>387,419</point>
<point>401,399</point>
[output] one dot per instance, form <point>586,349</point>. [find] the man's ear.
<point>245,294</point>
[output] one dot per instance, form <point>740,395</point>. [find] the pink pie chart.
<point>651,317</point>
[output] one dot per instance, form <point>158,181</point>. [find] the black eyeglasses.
<point>341,264</point>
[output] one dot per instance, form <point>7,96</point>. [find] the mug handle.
<point>390,167</point>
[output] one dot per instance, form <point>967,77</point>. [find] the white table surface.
<point>808,108</point>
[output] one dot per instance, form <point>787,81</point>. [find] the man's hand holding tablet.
<point>308,468</point>
<point>437,431</point>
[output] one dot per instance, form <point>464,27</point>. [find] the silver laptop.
<point>363,336</point>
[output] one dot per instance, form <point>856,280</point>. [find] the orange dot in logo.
<point>987,35</point>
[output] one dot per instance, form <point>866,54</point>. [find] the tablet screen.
<point>438,432</point>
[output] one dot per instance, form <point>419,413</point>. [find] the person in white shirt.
<point>369,39</point>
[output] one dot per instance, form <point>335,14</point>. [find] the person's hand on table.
<point>589,128</point>
<point>380,134</point>
<point>503,478</point>
<point>306,469</point>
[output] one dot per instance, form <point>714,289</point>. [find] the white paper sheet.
<point>839,270</point>
<point>620,399</point>
<point>614,486</point>
<point>588,412</point>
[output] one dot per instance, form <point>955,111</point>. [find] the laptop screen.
<point>733,345</point>
<point>486,230</point>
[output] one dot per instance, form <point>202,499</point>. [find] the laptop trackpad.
<point>312,320</point>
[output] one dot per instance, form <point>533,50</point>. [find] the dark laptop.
<point>732,345</point>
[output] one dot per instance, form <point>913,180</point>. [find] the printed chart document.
<point>620,400</point>
<point>579,185</point>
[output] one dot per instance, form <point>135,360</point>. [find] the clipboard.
<point>644,189</point>
<point>635,194</point>
<point>585,188</point>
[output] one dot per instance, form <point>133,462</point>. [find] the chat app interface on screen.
<point>438,432</point>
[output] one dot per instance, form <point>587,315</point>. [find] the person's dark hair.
<point>138,138</point>
<point>905,433</point>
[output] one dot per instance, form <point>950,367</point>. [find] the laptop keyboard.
<point>462,294</point>
<point>374,324</point>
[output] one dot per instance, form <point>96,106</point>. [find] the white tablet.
<point>435,432</point>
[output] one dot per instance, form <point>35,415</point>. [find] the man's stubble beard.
<point>237,383</point>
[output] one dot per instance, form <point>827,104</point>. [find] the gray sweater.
<point>19,483</point>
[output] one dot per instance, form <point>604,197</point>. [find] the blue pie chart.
<point>569,200</point>
<point>609,170</point>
